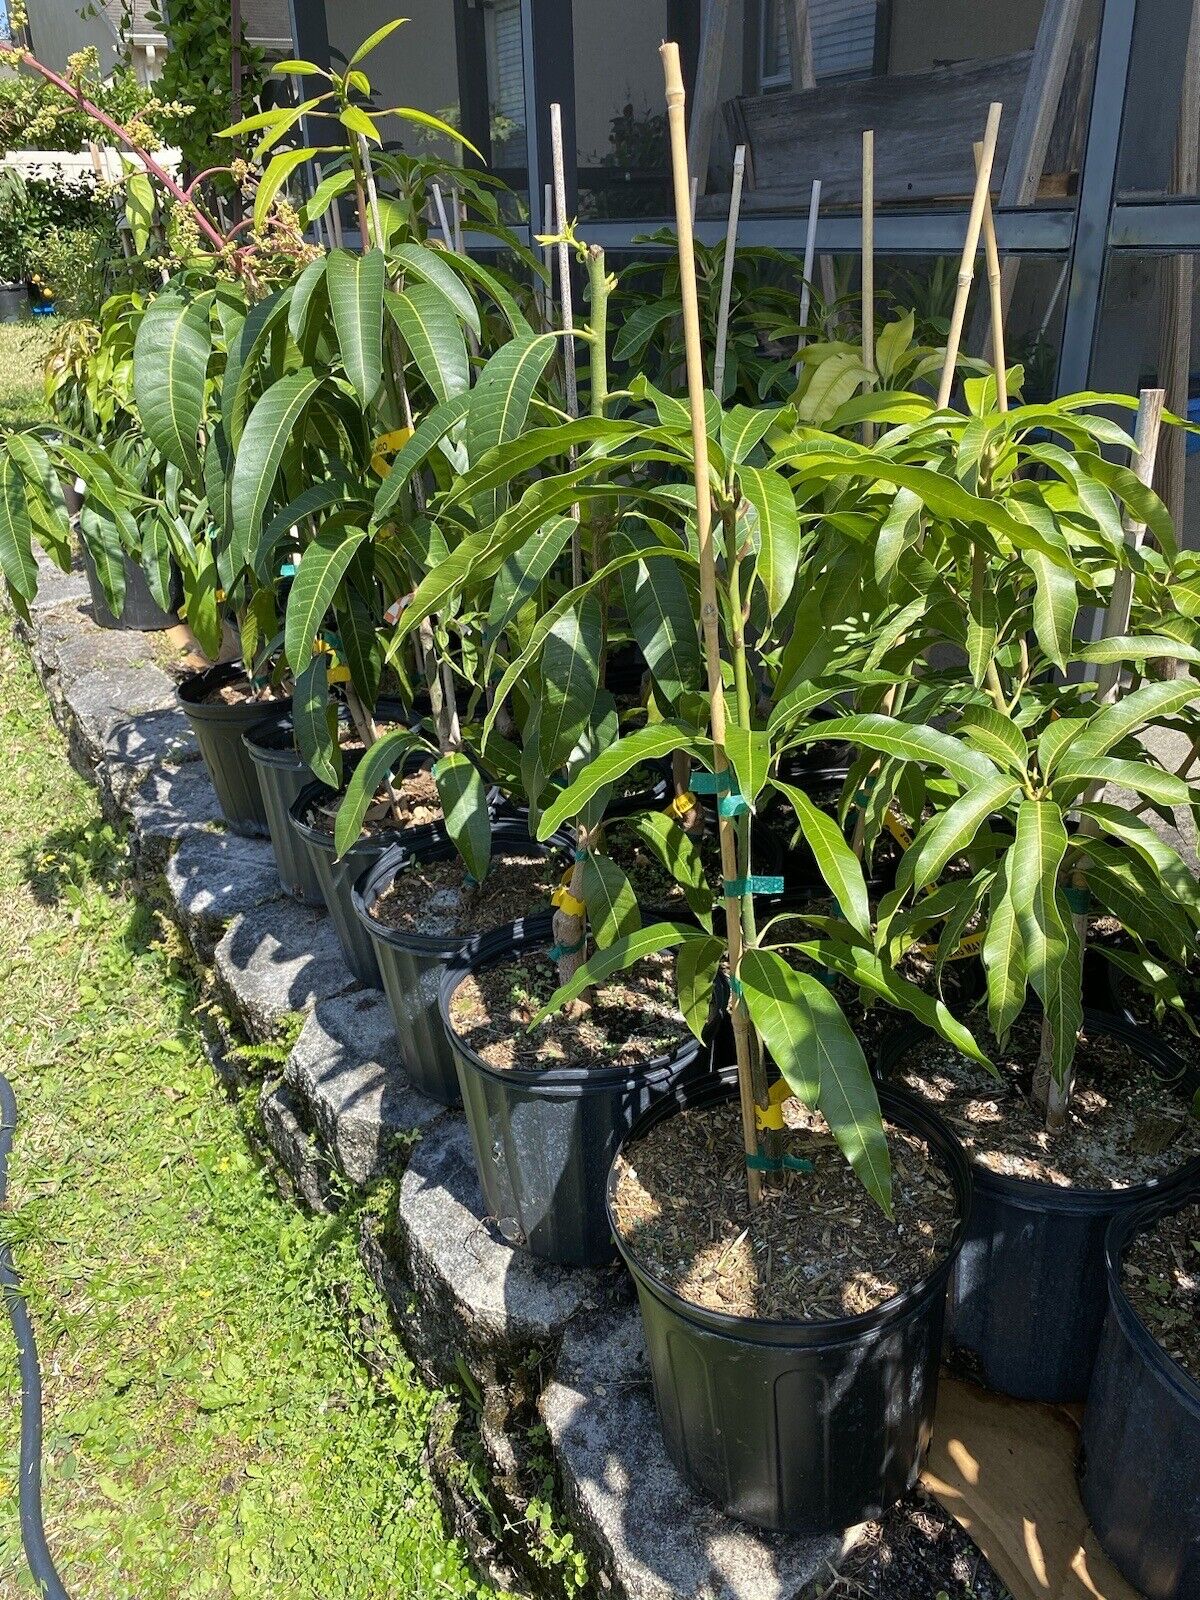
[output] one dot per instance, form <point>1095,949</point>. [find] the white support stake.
<point>810,256</point>
<point>735,207</point>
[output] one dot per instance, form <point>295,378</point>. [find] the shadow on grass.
<point>63,864</point>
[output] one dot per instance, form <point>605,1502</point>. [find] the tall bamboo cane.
<point>568,315</point>
<point>868,266</point>
<point>810,251</point>
<point>751,1092</point>
<point>966,268</point>
<point>995,291</point>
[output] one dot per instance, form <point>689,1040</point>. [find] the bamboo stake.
<point>1055,1098</point>
<point>568,316</point>
<point>364,153</point>
<point>751,1092</point>
<point>868,266</point>
<point>810,253</point>
<point>548,255</point>
<point>966,270</point>
<point>996,288</point>
<point>735,207</point>
<point>457,214</point>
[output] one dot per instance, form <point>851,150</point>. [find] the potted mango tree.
<point>1089,1116</point>
<point>723,1199</point>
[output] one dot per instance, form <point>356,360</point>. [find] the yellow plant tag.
<point>385,448</point>
<point>770,1116</point>
<point>682,805</point>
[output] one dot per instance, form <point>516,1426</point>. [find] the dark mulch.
<point>816,1247</point>
<point>1161,1276</point>
<point>1125,1125</point>
<point>917,1552</point>
<point>433,897</point>
<point>633,1019</point>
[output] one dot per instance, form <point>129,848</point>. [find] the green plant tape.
<point>760,1163</point>
<point>558,951</point>
<point>709,782</point>
<point>735,888</point>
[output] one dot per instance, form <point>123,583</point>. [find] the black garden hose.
<point>33,1533</point>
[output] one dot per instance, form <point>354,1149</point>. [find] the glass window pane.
<point>801,79</point>
<point>1149,328</point>
<point>1160,134</point>
<point>620,112</point>
<point>475,82</point>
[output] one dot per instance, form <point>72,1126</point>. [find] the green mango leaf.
<point>650,743</point>
<point>742,429</point>
<point>749,754</point>
<point>814,1048</point>
<point>778,523</point>
<point>268,430</point>
<point>1140,776</point>
<point>16,533</point>
<point>156,559</point>
<point>662,619</point>
<point>998,737</point>
<point>523,572</point>
<point>465,810</point>
<point>612,906</point>
<point>321,570</point>
<point>1162,858</point>
<point>139,209</point>
<point>200,601</point>
<point>310,295</point>
<point>678,854</point>
<point>377,765</point>
<point>499,404</point>
<point>906,741</point>
<point>1055,607</point>
<point>952,831</point>
<point>570,677</point>
<point>170,368</point>
<point>279,169</point>
<point>314,722</point>
<point>1052,952</point>
<point>430,266</point>
<point>696,966</point>
<point>429,433</point>
<point>356,286</point>
<point>1139,647</point>
<point>101,533</point>
<point>836,861</point>
<point>1144,706</point>
<point>374,40</point>
<point>431,330</point>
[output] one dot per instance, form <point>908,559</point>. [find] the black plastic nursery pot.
<point>14,302</point>
<point>544,1140</point>
<point>799,1426</point>
<point>141,612</point>
<point>282,773</point>
<point>411,964</point>
<point>219,728</point>
<point>337,878</point>
<point>1140,1467</point>
<point>1027,1296</point>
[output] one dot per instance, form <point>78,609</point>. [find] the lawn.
<point>23,348</point>
<point>212,1427</point>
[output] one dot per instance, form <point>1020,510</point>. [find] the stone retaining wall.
<point>550,1362</point>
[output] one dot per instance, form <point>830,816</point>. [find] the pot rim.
<point>529,933</point>
<point>1116,1241</point>
<point>190,689</point>
<point>268,754</point>
<point>431,842</point>
<point>900,1106</point>
<point>1034,1194</point>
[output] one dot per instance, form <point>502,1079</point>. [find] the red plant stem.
<point>209,172</point>
<point>147,160</point>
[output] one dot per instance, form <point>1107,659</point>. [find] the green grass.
<point>23,348</point>
<point>212,1427</point>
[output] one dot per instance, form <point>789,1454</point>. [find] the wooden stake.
<point>735,207</point>
<point>966,270</point>
<point>810,252</point>
<point>568,315</point>
<point>868,266</point>
<point>364,151</point>
<point>751,1092</point>
<point>996,288</point>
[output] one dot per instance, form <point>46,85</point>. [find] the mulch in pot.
<point>1161,1276</point>
<point>1126,1124</point>
<point>433,898</point>
<point>817,1247</point>
<point>631,1019</point>
<point>240,692</point>
<point>416,804</point>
